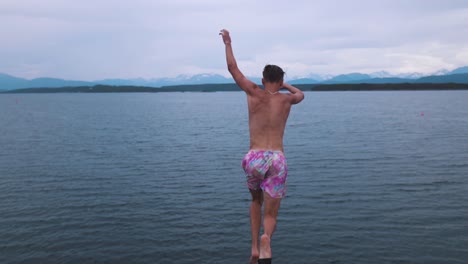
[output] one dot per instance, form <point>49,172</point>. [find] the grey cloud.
<point>147,38</point>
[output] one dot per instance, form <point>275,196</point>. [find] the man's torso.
<point>268,114</point>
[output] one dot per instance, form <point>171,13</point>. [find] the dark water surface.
<point>375,177</point>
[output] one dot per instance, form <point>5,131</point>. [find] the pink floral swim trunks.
<point>266,170</point>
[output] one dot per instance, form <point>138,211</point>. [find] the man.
<point>264,164</point>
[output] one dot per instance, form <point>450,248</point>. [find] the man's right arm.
<point>245,84</point>
<point>296,95</point>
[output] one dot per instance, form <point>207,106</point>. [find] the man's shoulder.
<point>286,97</point>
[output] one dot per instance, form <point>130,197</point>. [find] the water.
<point>375,177</point>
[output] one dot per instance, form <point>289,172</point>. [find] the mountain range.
<point>459,75</point>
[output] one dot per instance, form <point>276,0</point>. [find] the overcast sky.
<point>98,39</point>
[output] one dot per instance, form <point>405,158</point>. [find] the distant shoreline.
<point>233,87</point>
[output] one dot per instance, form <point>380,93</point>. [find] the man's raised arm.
<point>245,84</point>
<point>296,95</point>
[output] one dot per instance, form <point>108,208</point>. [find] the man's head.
<point>273,74</point>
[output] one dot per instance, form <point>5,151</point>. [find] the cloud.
<point>127,39</point>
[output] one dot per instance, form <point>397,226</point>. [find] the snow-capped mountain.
<point>441,72</point>
<point>412,75</point>
<point>459,75</point>
<point>381,74</point>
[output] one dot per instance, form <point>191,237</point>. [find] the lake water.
<point>374,177</point>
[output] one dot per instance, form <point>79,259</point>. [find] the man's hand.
<point>226,37</point>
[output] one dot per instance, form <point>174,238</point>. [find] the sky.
<point>100,39</point>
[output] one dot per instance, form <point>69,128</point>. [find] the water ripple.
<point>114,178</point>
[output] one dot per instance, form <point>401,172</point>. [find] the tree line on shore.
<point>233,87</point>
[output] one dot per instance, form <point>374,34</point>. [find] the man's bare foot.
<point>254,256</point>
<point>265,249</point>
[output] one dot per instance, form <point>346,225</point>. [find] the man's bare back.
<point>265,164</point>
<point>268,114</point>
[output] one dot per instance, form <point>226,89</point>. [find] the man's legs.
<point>255,222</point>
<point>269,224</point>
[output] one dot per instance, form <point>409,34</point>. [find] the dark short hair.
<point>273,73</point>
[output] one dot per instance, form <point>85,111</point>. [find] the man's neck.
<point>272,88</point>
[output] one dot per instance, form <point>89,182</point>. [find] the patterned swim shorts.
<point>266,169</point>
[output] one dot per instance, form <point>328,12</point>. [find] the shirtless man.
<point>265,165</point>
